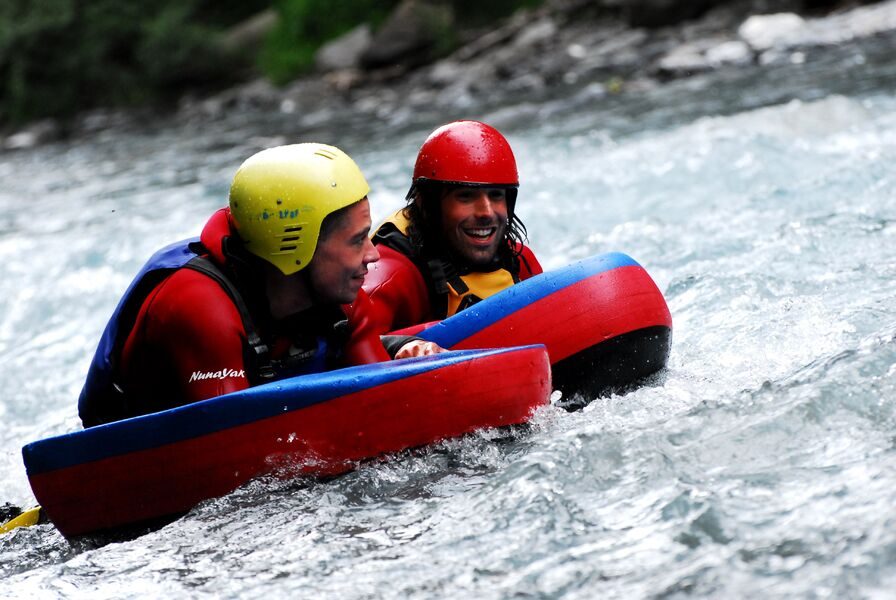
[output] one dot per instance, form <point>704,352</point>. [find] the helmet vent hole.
<point>291,239</point>
<point>287,248</point>
<point>326,154</point>
<point>292,229</point>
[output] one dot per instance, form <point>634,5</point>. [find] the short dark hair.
<point>333,221</point>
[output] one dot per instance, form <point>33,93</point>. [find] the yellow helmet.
<point>280,196</point>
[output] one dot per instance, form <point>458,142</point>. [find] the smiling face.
<point>340,261</point>
<point>474,220</point>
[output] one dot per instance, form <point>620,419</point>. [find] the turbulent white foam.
<point>761,461</point>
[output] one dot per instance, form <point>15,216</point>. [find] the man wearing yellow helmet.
<point>256,298</point>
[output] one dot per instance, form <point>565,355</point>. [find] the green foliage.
<point>306,24</point>
<point>61,56</point>
<point>58,57</point>
<point>26,58</point>
<point>174,50</point>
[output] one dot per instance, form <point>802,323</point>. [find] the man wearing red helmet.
<point>458,240</point>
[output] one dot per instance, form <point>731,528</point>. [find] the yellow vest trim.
<point>480,285</point>
<point>399,220</point>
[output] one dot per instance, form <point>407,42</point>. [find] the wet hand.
<point>418,348</point>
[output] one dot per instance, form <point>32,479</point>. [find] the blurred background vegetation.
<point>59,57</point>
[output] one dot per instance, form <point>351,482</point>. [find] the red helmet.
<point>467,152</point>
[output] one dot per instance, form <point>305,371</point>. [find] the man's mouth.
<point>480,233</point>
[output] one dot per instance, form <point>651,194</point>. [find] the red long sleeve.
<point>187,344</point>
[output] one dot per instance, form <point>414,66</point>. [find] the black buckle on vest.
<point>444,274</point>
<point>261,355</point>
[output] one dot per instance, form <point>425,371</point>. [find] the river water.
<point>761,464</point>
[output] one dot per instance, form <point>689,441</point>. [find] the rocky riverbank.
<point>586,47</point>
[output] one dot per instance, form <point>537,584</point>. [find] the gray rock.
<point>100,119</point>
<point>592,91</point>
<point>576,51</point>
<point>585,44</point>
<point>445,72</point>
<point>777,56</point>
<point>345,51</point>
<point>527,82</point>
<point>492,39</point>
<point>410,36</point>
<point>623,44</point>
<point>421,97</point>
<point>732,52</point>
<point>660,13</point>
<point>540,31</point>
<point>344,79</point>
<point>683,60</point>
<point>39,132</point>
<point>310,93</point>
<point>782,31</point>
<point>764,32</point>
<point>705,55</point>
<point>249,35</point>
<point>857,23</point>
<point>472,76</point>
<point>255,94</point>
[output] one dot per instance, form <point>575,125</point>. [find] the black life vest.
<point>451,289</point>
<point>102,398</point>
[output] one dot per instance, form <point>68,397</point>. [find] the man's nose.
<point>483,205</point>
<point>371,254</point>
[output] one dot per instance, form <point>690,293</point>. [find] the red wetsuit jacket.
<point>402,295</point>
<point>189,341</point>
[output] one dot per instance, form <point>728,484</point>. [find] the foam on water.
<point>760,463</point>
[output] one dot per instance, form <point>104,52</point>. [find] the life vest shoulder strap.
<point>438,273</point>
<point>259,352</point>
<point>102,399</point>
<point>389,234</point>
<point>449,289</point>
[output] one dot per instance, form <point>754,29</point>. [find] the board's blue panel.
<point>224,412</point>
<point>459,327</point>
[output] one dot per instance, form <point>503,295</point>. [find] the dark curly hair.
<point>424,225</point>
